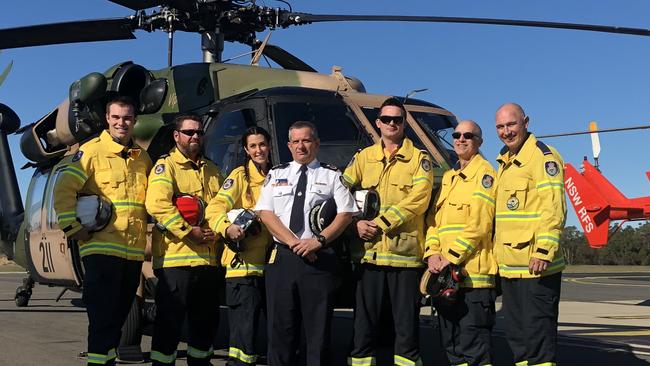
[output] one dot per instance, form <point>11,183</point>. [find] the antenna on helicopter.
<point>413,92</point>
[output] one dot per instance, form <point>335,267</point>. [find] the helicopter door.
<point>51,258</point>
<point>224,132</point>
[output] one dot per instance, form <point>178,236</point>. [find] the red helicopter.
<point>595,199</point>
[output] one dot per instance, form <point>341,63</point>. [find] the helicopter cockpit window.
<point>35,206</point>
<point>441,127</point>
<point>52,221</point>
<point>223,138</point>
<point>339,131</point>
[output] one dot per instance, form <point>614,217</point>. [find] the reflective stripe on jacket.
<point>404,184</point>
<point>106,168</point>
<point>530,209</point>
<point>460,223</point>
<point>237,192</point>
<point>172,175</point>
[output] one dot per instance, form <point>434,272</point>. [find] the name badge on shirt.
<point>280,182</point>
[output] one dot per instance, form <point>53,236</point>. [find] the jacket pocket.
<point>516,190</point>
<point>516,248</point>
<point>281,197</point>
<point>457,212</point>
<point>405,244</point>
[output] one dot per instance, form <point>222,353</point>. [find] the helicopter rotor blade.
<point>68,32</point>
<point>138,4</point>
<point>304,18</point>
<point>285,59</point>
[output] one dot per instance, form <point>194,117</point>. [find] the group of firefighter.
<point>278,231</point>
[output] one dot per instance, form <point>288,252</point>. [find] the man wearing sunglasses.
<point>530,216</point>
<point>185,254</point>
<point>394,241</point>
<point>460,232</point>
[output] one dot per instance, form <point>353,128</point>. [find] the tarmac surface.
<point>604,320</point>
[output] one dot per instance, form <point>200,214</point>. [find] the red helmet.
<point>443,288</point>
<point>191,208</point>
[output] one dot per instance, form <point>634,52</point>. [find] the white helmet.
<point>94,212</point>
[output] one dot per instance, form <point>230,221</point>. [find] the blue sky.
<point>563,78</point>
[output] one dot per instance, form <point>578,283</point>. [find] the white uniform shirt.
<point>322,183</point>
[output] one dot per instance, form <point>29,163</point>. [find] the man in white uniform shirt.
<point>300,275</point>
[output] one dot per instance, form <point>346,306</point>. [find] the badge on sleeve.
<point>487,181</point>
<point>77,156</point>
<point>227,184</point>
<point>426,165</point>
<point>512,203</point>
<point>551,168</point>
<point>160,168</point>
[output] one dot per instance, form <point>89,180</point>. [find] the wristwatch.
<point>322,240</point>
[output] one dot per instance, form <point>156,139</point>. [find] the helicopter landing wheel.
<point>24,292</point>
<point>22,296</point>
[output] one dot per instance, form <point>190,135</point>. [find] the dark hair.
<point>178,120</point>
<point>392,101</point>
<point>304,124</point>
<point>122,100</point>
<point>255,130</point>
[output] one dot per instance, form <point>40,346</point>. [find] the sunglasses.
<point>397,119</point>
<point>191,133</point>
<point>466,135</point>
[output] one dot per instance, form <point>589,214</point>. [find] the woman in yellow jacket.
<point>244,270</point>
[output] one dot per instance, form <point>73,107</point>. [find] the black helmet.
<point>443,287</point>
<point>322,215</point>
<point>247,220</point>
<point>368,203</point>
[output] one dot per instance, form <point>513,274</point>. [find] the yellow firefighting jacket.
<point>404,184</point>
<point>459,225</point>
<point>172,175</point>
<point>104,167</point>
<point>530,209</point>
<point>236,192</point>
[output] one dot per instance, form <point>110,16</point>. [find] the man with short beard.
<point>185,254</point>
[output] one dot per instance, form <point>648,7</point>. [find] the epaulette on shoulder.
<point>503,150</point>
<point>280,166</point>
<point>545,149</point>
<point>329,166</point>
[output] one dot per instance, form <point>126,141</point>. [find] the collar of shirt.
<point>470,169</point>
<point>116,148</point>
<point>178,157</point>
<point>523,156</point>
<point>254,172</point>
<point>404,152</point>
<point>295,167</point>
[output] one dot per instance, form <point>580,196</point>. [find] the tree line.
<point>629,246</point>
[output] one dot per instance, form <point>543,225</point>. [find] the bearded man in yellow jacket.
<point>185,254</point>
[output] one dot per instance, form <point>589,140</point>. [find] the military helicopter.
<point>230,98</point>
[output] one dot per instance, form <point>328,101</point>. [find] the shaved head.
<point>512,126</point>
<point>513,109</point>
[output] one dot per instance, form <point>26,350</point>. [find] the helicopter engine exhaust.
<point>10,201</point>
